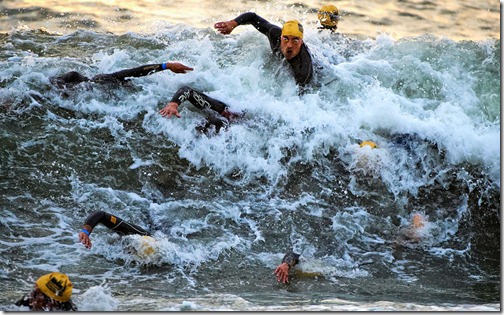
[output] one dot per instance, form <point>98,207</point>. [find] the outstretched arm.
<point>145,70</point>
<point>112,222</point>
<point>282,271</point>
<point>258,22</point>
<point>198,99</point>
<point>177,67</point>
<point>91,221</point>
<point>226,27</point>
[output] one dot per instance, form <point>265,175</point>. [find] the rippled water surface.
<point>420,79</point>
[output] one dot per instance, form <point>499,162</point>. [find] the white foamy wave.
<point>97,299</point>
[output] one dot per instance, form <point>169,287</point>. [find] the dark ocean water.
<point>289,175</point>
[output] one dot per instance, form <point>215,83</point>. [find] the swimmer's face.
<point>290,46</point>
<point>39,301</point>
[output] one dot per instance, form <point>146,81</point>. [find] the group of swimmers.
<point>285,42</point>
<point>53,291</point>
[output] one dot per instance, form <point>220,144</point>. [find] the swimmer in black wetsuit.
<point>51,292</point>
<point>203,102</point>
<point>408,236</point>
<point>72,78</point>
<point>287,41</point>
<point>112,222</point>
<point>198,99</point>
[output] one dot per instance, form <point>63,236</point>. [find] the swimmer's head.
<point>68,79</point>
<point>56,286</point>
<point>329,16</point>
<point>291,39</point>
<point>292,28</point>
<point>368,143</point>
<point>74,77</point>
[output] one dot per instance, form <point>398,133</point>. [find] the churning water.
<point>290,174</point>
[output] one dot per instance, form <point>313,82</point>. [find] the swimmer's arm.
<point>171,109</point>
<point>177,67</point>
<point>198,99</point>
<point>84,236</point>
<point>288,262</point>
<point>145,70</point>
<point>258,22</point>
<point>91,221</point>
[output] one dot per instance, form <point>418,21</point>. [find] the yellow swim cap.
<point>369,143</point>
<point>328,16</point>
<point>56,285</point>
<point>292,28</point>
<point>147,246</point>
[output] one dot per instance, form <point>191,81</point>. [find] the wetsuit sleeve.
<point>272,31</point>
<point>120,76</point>
<point>24,301</point>
<point>68,306</point>
<point>291,259</point>
<point>198,99</point>
<point>114,223</point>
<point>261,24</point>
<point>137,72</point>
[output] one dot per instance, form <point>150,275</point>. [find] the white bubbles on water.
<point>97,299</point>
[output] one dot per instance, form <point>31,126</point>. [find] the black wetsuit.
<point>203,102</point>
<point>198,99</point>
<point>301,65</point>
<point>114,223</point>
<point>291,259</point>
<point>119,77</point>
<point>59,306</point>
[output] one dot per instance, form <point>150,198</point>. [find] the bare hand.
<point>169,110</point>
<point>84,239</point>
<point>177,67</point>
<point>282,273</point>
<point>225,27</point>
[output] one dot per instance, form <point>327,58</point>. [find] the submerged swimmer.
<point>202,102</point>
<point>112,222</point>
<point>414,232</point>
<point>142,248</point>
<point>122,77</point>
<point>328,17</point>
<point>290,260</point>
<point>51,292</point>
<point>73,78</point>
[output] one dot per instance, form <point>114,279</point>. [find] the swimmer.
<point>415,231</point>
<point>328,17</point>
<point>286,41</point>
<point>218,112</point>
<point>73,78</point>
<point>112,222</point>
<point>289,261</point>
<point>51,292</point>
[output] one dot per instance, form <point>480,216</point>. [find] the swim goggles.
<point>334,17</point>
